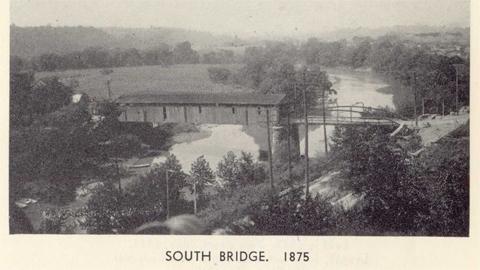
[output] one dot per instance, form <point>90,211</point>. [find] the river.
<point>352,87</point>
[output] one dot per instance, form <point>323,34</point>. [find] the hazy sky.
<point>241,16</point>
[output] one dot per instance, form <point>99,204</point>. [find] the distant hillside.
<point>34,41</point>
<point>144,38</point>
<point>401,30</point>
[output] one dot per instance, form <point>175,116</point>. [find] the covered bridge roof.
<point>203,98</point>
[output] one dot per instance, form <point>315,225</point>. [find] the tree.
<point>49,62</point>
<point>20,98</point>
<point>201,176</point>
<point>17,64</point>
<point>49,95</point>
<point>239,171</point>
<point>444,168</point>
<point>109,126</point>
<point>219,75</point>
<point>160,55</point>
<point>53,156</point>
<point>145,200</point>
<point>228,170</point>
<point>292,216</point>
<point>360,54</point>
<point>95,57</point>
<point>109,211</point>
<point>184,54</point>
<point>379,170</point>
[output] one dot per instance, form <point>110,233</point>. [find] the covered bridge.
<point>201,108</point>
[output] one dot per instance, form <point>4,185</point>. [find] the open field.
<point>144,79</point>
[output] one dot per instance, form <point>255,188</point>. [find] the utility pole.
<point>306,143</point>
<point>168,197</point>
<point>414,81</point>
<point>443,108</point>
<point>457,67</point>
<point>423,106</point>
<point>456,89</point>
<point>295,98</point>
<point>325,122</point>
<point>109,90</point>
<point>195,196</point>
<point>118,176</point>
<point>269,149</point>
<point>289,147</point>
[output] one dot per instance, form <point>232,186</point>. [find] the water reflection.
<point>222,139</point>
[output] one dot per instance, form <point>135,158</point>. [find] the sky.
<point>241,16</point>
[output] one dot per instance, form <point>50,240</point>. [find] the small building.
<point>201,108</point>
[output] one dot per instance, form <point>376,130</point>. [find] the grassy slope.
<point>128,80</point>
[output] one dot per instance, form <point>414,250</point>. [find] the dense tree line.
<point>434,75</point>
<point>218,57</point>
<point>99,57</point>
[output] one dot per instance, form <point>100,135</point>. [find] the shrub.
<point>293,216</point>
<point>219,75</point>
<point>225,208</point>
<point>156,137</point>
<point>238,171</point>
<point>55,221</point>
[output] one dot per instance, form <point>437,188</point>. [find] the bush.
<point>55,221</point>
<point>444,169</point>
<point>225,208</point>
<point>109,211</point>
<point>238,171</point>
<point>219,75</point>
<point>427,195</point>
<point>156,137</point>
<point>293,216</point>
<point>145,200</point>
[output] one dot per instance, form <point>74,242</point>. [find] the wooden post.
<point>195,196</point>
<point>168,199</point>
<point>443,108</point>
<point>109,90</point>
<point>456,88</point>
<point>325,123</point>
<point>306,146</point>
<point>337,112</point>
<point>423,106</point>
<point>269,149</point>
<point>118,176</point>
<point>185,113</point>
<point>295,99</point>
<point>289,148</point>
<point>415,98</point>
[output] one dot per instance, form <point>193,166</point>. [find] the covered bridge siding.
<point>212,108</point>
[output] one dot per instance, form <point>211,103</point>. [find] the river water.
<point>352,87</point>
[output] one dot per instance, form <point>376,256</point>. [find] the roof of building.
<point>203,98</point>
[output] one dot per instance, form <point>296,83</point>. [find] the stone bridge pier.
<point>280,135</point>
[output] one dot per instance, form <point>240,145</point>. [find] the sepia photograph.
<point>251,118</point>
